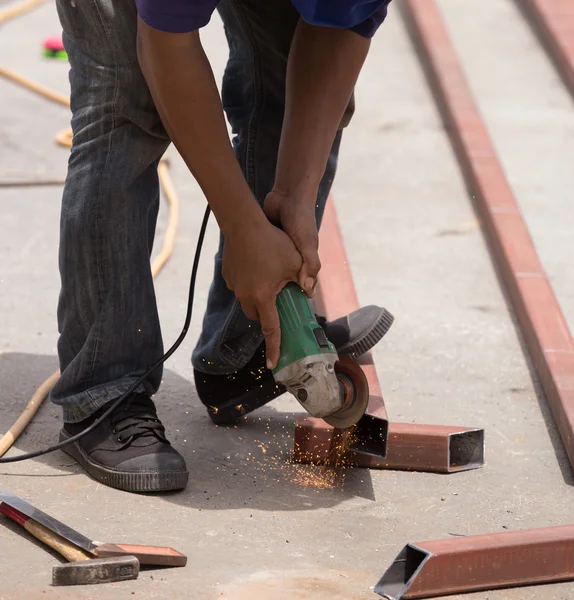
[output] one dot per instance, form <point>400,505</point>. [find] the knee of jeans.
<point>97,196</point>
<point>118,160</point>
<point>79,214</point>
<point>349,112</point>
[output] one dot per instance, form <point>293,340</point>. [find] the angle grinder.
<point>326,385</point>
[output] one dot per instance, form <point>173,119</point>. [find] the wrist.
<point>301,192</point>
<point>243,221</point>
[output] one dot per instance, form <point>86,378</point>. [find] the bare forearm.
<point>324,64</point>
<point>182,85</point>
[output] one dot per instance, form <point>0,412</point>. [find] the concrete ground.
<point>249,521</point>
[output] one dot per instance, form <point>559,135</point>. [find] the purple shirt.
<point>181,16</point>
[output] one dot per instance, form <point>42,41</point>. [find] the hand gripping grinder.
<point>327,386</point>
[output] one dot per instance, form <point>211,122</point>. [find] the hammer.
<point>83,569</point>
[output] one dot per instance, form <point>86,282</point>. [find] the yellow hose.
<point>64,138</point>
<point>34,87</point>
<point>31,409</point>
<point>171,228</point>
<point>18,9</point>
<point>30,182</point>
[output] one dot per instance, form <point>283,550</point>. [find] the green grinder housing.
<point>309,366</point>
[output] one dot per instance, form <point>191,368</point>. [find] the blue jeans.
<point>107,314</point>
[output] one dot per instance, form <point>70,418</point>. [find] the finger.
<point>271,329</point>
<point>309,269</point>
<point>225,275</point>
<point>312,292</point>
<point>250,311</point>
<point>306,241</point>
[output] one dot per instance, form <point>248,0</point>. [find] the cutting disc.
<point>355,390</point>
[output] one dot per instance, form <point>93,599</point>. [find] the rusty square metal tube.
<point>538,313</point>
<point>552,22</point>
<point>480,562</point>
<point>336,296</point>
<point>411,447</point>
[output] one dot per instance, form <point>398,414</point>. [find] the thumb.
<point>307,243</point>
<point>271,208</point>
<point>271,329</point>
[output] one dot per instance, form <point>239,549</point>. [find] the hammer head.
<point>96,570</point>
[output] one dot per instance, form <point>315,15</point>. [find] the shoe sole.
<point>128,482</point>
<point>369,339</point>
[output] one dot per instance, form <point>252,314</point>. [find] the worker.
<point>140,79</point>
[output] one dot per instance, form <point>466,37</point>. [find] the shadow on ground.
<point>248,465</point>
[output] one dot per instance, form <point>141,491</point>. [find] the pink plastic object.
<point>54,43</point>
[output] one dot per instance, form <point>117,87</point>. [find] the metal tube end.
<point>400,575</point>
<point>466,450</point>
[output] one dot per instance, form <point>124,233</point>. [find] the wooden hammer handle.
<point>56,542</point>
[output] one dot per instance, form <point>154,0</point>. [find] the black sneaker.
<point>358,332</point>
<point>128,450</point>
<point>228,397</point>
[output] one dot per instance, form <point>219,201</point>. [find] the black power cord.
<point>159,362</point>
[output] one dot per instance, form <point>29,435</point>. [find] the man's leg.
<point>230,372</point>
<point>107,312</point>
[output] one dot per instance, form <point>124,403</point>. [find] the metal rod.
<point>539,316</point>
<point>553,22</point>
<point>336,296</point>
<point>415,447</point>
<point>411,447</point>
<point>481,562</point>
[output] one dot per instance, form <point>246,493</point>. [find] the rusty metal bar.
<point>480,562</point>
<point>553,21</point>
<point>415,447</point>
<point>411,447</point>
<point>530,294</point>
<point>336,296</point>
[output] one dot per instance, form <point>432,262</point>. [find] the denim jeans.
<point>107,314</point>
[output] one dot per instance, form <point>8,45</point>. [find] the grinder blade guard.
<point>354,393</point>
<point>332,388</point>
